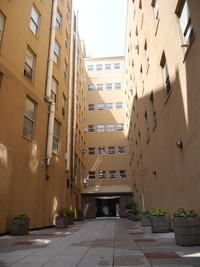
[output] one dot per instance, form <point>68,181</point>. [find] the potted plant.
<point>135,211</point>
<point>80,215</point>
<point>158,221</point>
<point>20,225</point>
<point>70,213</point>
<point>129,205</point>
<point>61,219</point>
<point>186,227</point>
<point>145,220</point>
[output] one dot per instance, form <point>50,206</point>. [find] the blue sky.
<point>102,25</point>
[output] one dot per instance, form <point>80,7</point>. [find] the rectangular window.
<point>90,67</point>
<point>35,19</point>
<point>100,106</point>
<point>66,40</point>
<point>112,174</point>
<point>121,150</point>
<point>109,106</point>
<point>155,9</point>
<point>29,119</point>
<point>118,105</point>
<point>2,23</point>
<point>64,106</point>
<point>120,127</point>
<point>102,174</point>
<point>91,151</point>
<point>29,65</point>
<point>56,58</point>
<point>165,72</point>
<point>91,128</point>
<point>117,66</point>
<point>110,127</point>
<point>146,53</point>
<point>101,150</point>
<point>90,107</point>
<point>99,67</point>
<point>111,150</point>
<point>183,14</point>
<point>58,20</point>
<point>118,86</point>
<point>147,125</point>
<point>101,128</point>
<point>122,174</point>
<point>153,108</point>
<point>100,87</point>
<point>65,71</point>
<point>108,66</point>
<point>91,175</point>
<point>56,137</point>
<point>54,89</point>
<point>90,87</point>
<point>108,86</point>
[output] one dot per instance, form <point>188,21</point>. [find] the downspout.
<point>48,85</point>
<point>75,101</point>
<point>69,121</point>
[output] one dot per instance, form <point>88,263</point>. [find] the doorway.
<point>107,206</point>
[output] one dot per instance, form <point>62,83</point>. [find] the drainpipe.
<point>75,102</point>
<point>48,86</point>
<point>69,121</point>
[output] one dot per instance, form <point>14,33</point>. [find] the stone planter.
<point>80,216</point>
<point>159,224</point>
<point>71,219</point>
<point>129,215</point>
<point>145,220</point>
<point>20,226</point>
<point>61,222</point>
<point>135,217</point>
<point>187,231</point>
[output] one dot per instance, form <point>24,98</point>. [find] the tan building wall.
<point>163,175</point>
<point>28,185</point>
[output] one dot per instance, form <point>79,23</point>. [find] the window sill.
<point>188,49</point>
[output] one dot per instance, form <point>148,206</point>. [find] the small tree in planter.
<point>186,227</point>
<point>135,211</point>
<point>70,213</point>
<point>145,220</point>
<point>158,221</point>
<point>129,206</point>
<point>61,219</point>
<point>80,215</point>
<point>20,225</point>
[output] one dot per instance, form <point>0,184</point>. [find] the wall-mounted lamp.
<point>179,143</point>
<point>154,172</point>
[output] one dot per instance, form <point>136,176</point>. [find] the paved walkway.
<point>100,242</point>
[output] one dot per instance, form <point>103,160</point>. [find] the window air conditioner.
<point>83,150</point>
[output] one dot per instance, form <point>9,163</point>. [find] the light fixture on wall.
<point>179,143</point>
<point>154,172</point>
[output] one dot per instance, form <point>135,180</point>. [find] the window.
<point>90,107</point>
<point>183,14</point>
<point>66,40</point>
<point>153,108</point>
<point>90,87</point>
<point>65,71</point>
<point>29,65</point>
<point>122,174</point>
<point>35,19</point>
<point>2,23</point>
<point>54,89</point>
<point>91,128</point>
<point>90,67</point>
<point>110,127</point>
<point>118,105</point>
<point>1,79</point>
<point>91,175</point>
<point>108,66</point>
<point>155,9</point>
<point>91,151</point>
<point>56,58</point>
<point>101,150</point>
<point>121,150</point>
<point>63,106</point>
<point>112,174</point>
<point>56,137</point>
<point>100,106</point>
<point>102,174</point>
<point>118,86</point>
<point>29,119</point>
<point>146,53</point>
<point>58,20</point>
<point>117,66</point>
<point>147,125</point>
<point>108,86</point>
<point>100,87</point>
<point>99,67</point>
<point>142,78</point>
<point>111,150</point>
<point>109,106</point>
<point>101,128</point>
<point>165,72</point>
<point>120,127</point>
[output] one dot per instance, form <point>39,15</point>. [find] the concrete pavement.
<point>100,242</point>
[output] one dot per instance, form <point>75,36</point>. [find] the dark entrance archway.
<point>107,206</point>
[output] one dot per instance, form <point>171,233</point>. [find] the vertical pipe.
<point>50,130</point>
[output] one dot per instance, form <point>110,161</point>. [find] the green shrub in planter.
<point>145,220</point>
<point>61,219</point>
<point>70,213</point>
<point>158,221</point>
<point>20,225</point>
